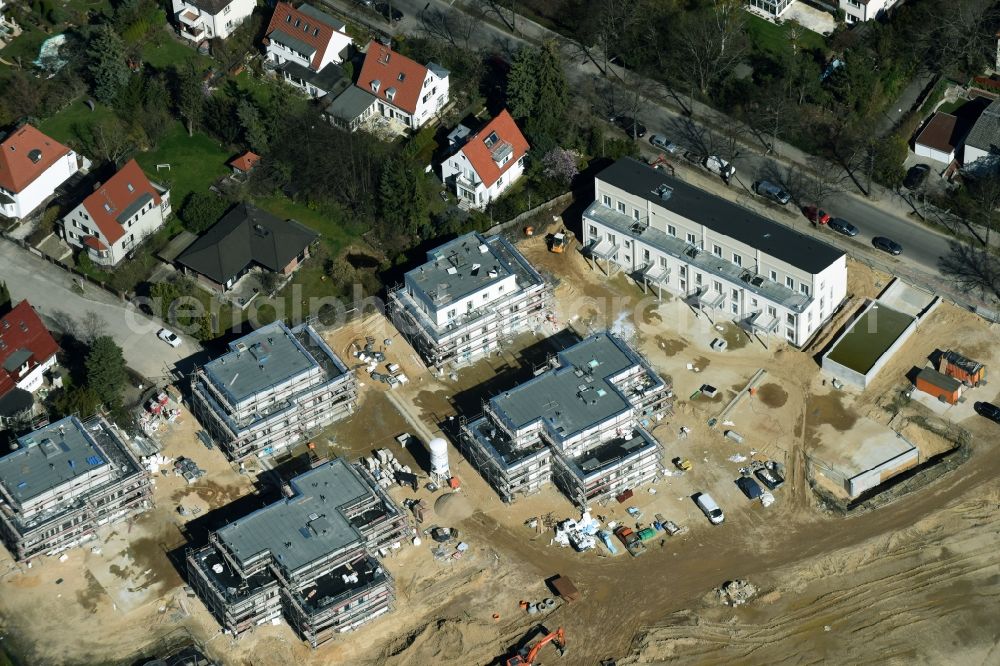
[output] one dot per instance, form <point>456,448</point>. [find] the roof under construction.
<point>462,267</point>
<point>306,527</point>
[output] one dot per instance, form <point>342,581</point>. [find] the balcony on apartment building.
<point>191,24</point>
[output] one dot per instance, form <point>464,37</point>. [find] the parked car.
<point>709,508</point>
<point>989,410</point>
<point>766,188</point>
<point>769,478</point>
<point>630,125</point>
<point>816,215</point>
<point>169,337</point>
<point>694,157</point>
<point>749,487</point>
<point>664,144</point>
<point>887,245</point>
<point>842,226</point>
<point>916,176</point>
<point>719,166</point>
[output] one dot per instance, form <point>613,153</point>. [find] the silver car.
<point>664,144</point>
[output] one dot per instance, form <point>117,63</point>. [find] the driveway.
<point>49,289</point>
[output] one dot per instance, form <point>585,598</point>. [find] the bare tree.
<point>501,9</point>
<point>454,27</point>
<point>107,139</point>
<point>92,327</point>
<point>711,43</point>
<point>972,269</point>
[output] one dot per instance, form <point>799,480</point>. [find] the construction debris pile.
<point>188,469</point>
<point>154,462</point>
<point>387,470</point>
<point>737,592</point>
<point>372,358</point>
<point>578,533</point>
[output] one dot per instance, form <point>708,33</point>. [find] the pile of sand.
<point>453,507</point>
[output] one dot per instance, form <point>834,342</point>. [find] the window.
<point>684,271</point>
<point>645,255</point>
<point>635,213</point>
<point>753,303</point>
<point>226,10</point>
<point>691,239</point>
<point>697,279</point>
<point>606,200</point>
<point>790,283</point>
<point>621,206</point>
<point>663,261</point>
<point>717,250</point>
<point>804,288</point>
<point>683,285</point>
<point>773,275</point>
<point>737,259</point>
<point>593,230</point>
<point>451,314</point>
<point>672,230</point>
<point>790,334</point>
<point>790,318</point>
<point>612,238</point>
<point>736,294</point>
<point>771,310</point>
<point>717,286</point>
<point>628,244</point>
<point>736,308</point>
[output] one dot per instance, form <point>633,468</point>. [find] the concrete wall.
<point>853,377</point>
<point>877,475</point>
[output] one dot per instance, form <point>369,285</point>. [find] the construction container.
<point>735,436</point>
<point>965,370</point>
<point>942,387</point>
<point>647,533</point>
<point>565,588</point>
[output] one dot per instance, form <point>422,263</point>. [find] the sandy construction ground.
<point>915,580</point>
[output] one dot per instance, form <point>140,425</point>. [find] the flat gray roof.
<point>721,216</point>
<point>577,394</point>
<point>48,458</point>
<point>350,104</point>
<point>458,268</point>
<point>258,361</point>
<point>306,527</point>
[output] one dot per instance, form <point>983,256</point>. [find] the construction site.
<point>481,573</point>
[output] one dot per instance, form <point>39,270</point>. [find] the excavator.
<point>526,655</point>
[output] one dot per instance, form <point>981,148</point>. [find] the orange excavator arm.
<point>559,636</point>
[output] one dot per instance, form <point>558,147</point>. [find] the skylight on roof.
<point>130,188</point>
<point>491,139</point>
<point>107,207</point>
<point>402,76</point>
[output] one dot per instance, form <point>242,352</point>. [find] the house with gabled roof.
<point>306,46</point>
<point>404,90</point>
<point>117,216</point>
<point>484,165</point>
<point>27,351</point>
<point>246,238</point>
<point>198,20</point>
<point>32,166</point>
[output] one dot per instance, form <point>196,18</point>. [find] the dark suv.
<point>630,125</point>
<point>989,410</point>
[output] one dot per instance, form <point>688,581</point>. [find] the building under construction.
<point>272,389</point>
<point>583,423</point>
<point>64,481</point>
<point>472,295</point>
<point>309,557</point>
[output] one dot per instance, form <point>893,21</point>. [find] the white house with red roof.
<point>117,216</point>
<point>32,166</point>
<point>487,163</point>
<point>199,20</point>
<point>404,91</point>
<point>306,46</point>
<point>27,351</point>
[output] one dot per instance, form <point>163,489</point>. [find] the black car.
<point>842,226</point>
<point>383,9</point>
<point>749,487</point>
<point>769,478</point>
<point>989,410</point>
<point>630,125</point>
<point>916,176</point>
<point>887,245</point>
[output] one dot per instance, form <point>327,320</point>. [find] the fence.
<point>505,227</point>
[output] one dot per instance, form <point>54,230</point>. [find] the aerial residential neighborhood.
<point>479,332</point>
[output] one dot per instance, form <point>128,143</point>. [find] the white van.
<point>709,508</point>
<point>717,165</point>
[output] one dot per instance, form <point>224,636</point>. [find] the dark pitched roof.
<point>246,235</point>
<point>212,7</point>
<point>985,133</point>
<point>722,216</point>
<point>939,133</point>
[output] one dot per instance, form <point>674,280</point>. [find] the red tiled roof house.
<point>305,46</point>
<point>27,350</point>
<point>32,166</point>
<point>404,90</point>
<point>117,216</point>
<point>244,163</point>
<point>487,163</point>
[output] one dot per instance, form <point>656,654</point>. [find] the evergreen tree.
<point>106,65</point>
<point>254,132</point>
<point>538,94</point>
<point>522,84</point>
<point>106,374</point>
<point>189,101</point>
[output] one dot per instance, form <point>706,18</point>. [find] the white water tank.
<point>439,457</point>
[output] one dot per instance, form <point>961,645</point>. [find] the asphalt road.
<point>49,289</point>
<point>922,247</point>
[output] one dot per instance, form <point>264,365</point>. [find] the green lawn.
<point>64,125</point>
<point>166,52</point>
<point>328,224</point>
<point>259,89</point>
<point>767,36</point>
<point>195,163</point>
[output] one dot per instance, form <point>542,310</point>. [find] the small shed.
<point>965,370</point>
<point>937,140</point>
<point>940,386</point>
<point>244,164</point>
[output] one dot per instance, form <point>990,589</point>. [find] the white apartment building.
<point>472,294</point>
<point>306,46</point>
<point>274,388</point>
<point>199,20</point>
<point>32,166</point>
<point>404,91</point>
<point>488,163</point>
<point>865,10</point>
<point>720,257</point>
<point>116,218</point>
